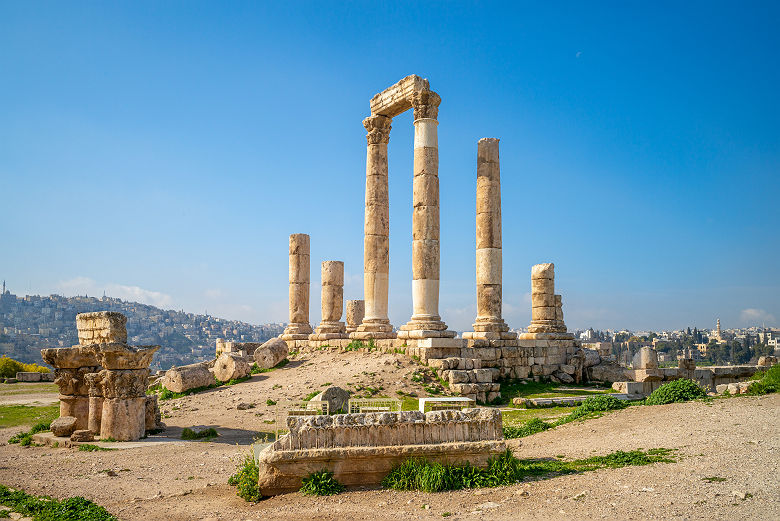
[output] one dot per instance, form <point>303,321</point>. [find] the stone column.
<point>299,327</point>
<point>123,380</point>
<point>376,243</point>
<point>561,325</point>
<point>356,310</point>
<point>425,321</point>
<point>543,309</point>
<point>332,302</point>
<point>71,367</point>
<point>489,324</point>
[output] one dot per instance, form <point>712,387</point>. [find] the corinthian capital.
<point>378,128</point>
<point>425,104</point>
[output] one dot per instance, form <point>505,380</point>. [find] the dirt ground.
<point>737,439</point>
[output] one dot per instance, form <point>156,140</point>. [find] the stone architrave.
<point>71,367</point>
<point>331,326</point>
<point>299,327</point>
<point>356,310</point>
<point>489,324</point>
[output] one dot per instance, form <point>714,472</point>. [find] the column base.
<point>330,327</point>
<point>297,331</point>
<point>546,336</point>
<point>327,336</point>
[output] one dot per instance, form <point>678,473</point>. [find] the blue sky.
<point>164,151</point>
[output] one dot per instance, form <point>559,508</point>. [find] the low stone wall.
<point>360,449</point>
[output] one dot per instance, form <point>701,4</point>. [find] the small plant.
<point>109,439</point>
<point>167,394</point>
<point>88,447</point>
<point>269,402</point>
<point>530,427</point>
<point>766,382</point>
<point>257,370</point>
<point>682,390</point>
<point>235,381</point>
<point>714,479</point>
<point>245,479</point>
<point>45,508</point>
<point>311,395</point>
<point>321,483</point>
<point>24,439</point>
<point>596,404</point>
<point>205,434</point>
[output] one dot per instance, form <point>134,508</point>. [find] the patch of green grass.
<point>518,416</point>
<point>167,394</point>
<point>592,407</point>
<point>596,404</point>
<point>45,508</point>
<point>766,382</point>
<point>269,402</point>
<point>205,434</point>
<point>310,395</point>
<point>245,479</point>
<point>24,439</point>
<point>682,390</point>
<point>258,370</point>
<point>27,388</point>
<point>235,381</point>
<point>88,447</point>
<point>14,415</point>
<point>530,427</point>
<point>109,439</point>
<point>321,483</point>
<point>511,389</point>
<point>505,469</point>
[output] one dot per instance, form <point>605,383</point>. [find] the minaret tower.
<point>718,328</point>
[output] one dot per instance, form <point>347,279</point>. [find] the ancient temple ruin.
<point>474,363</point>
<point>103,381</point>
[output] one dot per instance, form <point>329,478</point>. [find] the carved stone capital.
<point>378,128</point>
<point>425,104</point>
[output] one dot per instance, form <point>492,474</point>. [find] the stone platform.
<point>50,440</point>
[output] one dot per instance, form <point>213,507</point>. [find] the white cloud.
<point>86,286</point>
<point>753,317</point>
<point>214,293</point>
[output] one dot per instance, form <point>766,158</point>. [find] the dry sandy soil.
<point>737,439</point>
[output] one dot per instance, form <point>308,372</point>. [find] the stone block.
<point>28,376</point>
<point>64,425</point>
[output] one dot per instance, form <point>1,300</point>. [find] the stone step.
<point>457,376</point>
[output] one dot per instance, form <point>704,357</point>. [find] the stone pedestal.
<point>299,328</point>
<point>356,310</point>
<point>376,242</point>
<point>71,367</point>
<point>425,321</point>
<point>489,324</point>
<point>332,299</point>
<point>123,382</point>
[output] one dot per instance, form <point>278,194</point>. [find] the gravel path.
<point>736,439</point>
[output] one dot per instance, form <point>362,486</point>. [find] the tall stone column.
<point>332,301</point>
<point>543,309</point>
<point>356,310</point>
<point>376,244</point>
<point>489,324</point>
<point>425,321</point>
<point>299,328</point>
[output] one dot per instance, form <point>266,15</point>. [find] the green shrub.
<point>245,479</point>
<point>321,483</point>
<point>48,509</point>
<point>530,427</point>
<point>88,447</point>
<point>189,434</point>
<point>766,381</point>
<point>681,390</point>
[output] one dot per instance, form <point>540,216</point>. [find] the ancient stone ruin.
<point>360,449</point>
<point>103,381</point>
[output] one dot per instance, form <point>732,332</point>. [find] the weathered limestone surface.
<point>376,242</point>
<point>363,448</point>
<point>63,426</point>
<point>489,324</point>
<point>299,327</point>
<point>186,377</point>
<point>271,353</point>
<point>71,366</point>
<point>331,326</point>
<point>356,310</point>
<point>336,398</point>
<point>231,366</point>
<point>101,327</point>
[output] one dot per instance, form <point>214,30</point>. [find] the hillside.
<point>31,323</point>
